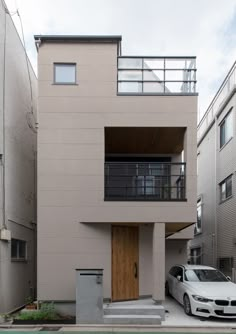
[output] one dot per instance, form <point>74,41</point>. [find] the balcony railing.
<point>140,181</point>
<point>157,75</point>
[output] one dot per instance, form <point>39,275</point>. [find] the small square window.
<point>18,250</point>
<point>64,73</point>
<point>226,188</point>
<point>226,129</point>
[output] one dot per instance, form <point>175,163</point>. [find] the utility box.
<point>5,234</point>
<point>89,296</point>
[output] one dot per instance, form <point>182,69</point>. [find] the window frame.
<point>222,126</point>
<point>221,184</point>
<point>196,258</point>
<point>198,230</point>
<point>61,82</point>
<point>19,258</point>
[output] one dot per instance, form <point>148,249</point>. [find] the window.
<point>176,271</point>
<point>145,185</point>
<point>179,272</point>
<point>226,188</point>
<point>226,129</point>
<point>198,224</point>
<point>18,250</point>
<point>225,264</point>
<point>65,73</point>
<point>195,255</point>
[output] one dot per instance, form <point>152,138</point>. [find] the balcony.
<point>157,75</point>
<point>145,181</point>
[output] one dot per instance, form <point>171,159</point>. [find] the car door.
<point>171,280</point>
<point>178,284</point>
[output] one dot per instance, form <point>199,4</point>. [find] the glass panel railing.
<point>157,75</point>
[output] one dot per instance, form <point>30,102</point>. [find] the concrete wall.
<point>176,253</point>
<point>145,260</point>
<point>97,236</point>
<point>17,279</point>
<point>71,163</point>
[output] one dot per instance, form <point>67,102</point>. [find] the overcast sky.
<point>202,28</point>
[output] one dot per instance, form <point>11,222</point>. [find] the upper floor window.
<point>18,250</point>
<point>65,73</point>
<point>226,188</point>
<point>198,224</point>
<point>226,129</point>
<point>196,255</point>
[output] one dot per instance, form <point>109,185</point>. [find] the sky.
<point>202,28</point>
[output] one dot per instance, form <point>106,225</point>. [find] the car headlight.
<point>202,299</point>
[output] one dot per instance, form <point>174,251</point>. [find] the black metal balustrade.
<point>140,181</point>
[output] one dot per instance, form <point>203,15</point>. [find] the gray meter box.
<point>89,296</point>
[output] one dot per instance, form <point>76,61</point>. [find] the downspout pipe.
<point>3,222</point>
<point>215,233</point>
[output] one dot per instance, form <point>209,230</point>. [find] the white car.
<point>202,290</point>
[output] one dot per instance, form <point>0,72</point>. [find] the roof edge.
<point>78,38</point>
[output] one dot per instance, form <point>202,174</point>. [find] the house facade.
<point>215,233</point>
<point>116,166</point>
<point>18,88</point>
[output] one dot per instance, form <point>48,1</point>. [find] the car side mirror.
<point>228,278</point>
<point>179,278</point>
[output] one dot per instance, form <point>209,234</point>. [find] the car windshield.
<point>204,275</point>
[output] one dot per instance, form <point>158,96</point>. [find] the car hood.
<point>213,289</point>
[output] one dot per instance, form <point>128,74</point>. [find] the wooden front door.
<point>125,263</point>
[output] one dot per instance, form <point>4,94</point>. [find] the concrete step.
<point>116,309</point>
<point>132,319</point>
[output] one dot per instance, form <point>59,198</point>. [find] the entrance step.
<point>132,319</point>
<point>138,309</point>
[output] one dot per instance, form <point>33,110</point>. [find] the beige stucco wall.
<point>18,146</point>
<point>71,163</point>
<point>176,252</point>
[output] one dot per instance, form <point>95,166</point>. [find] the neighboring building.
<point>215,231</point>
<point>17,169</point>
<point>116,166</point>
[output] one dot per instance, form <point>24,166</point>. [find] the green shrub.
<point>46,312</point>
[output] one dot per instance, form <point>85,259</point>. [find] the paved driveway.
<point>176,317</point>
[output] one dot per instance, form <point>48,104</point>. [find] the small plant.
<point>30,303</point>
<point>46,312</point>
<point>3,318</point>
<point>29,300</point>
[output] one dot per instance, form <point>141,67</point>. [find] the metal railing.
<point>145,181</point>
<point>224,91</point>
<point>157,75</point>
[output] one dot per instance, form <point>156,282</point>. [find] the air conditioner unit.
<point>5,234</point>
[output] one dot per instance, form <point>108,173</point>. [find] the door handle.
<point>135,270</point>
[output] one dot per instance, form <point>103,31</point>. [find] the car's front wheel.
<point>187,305</point>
